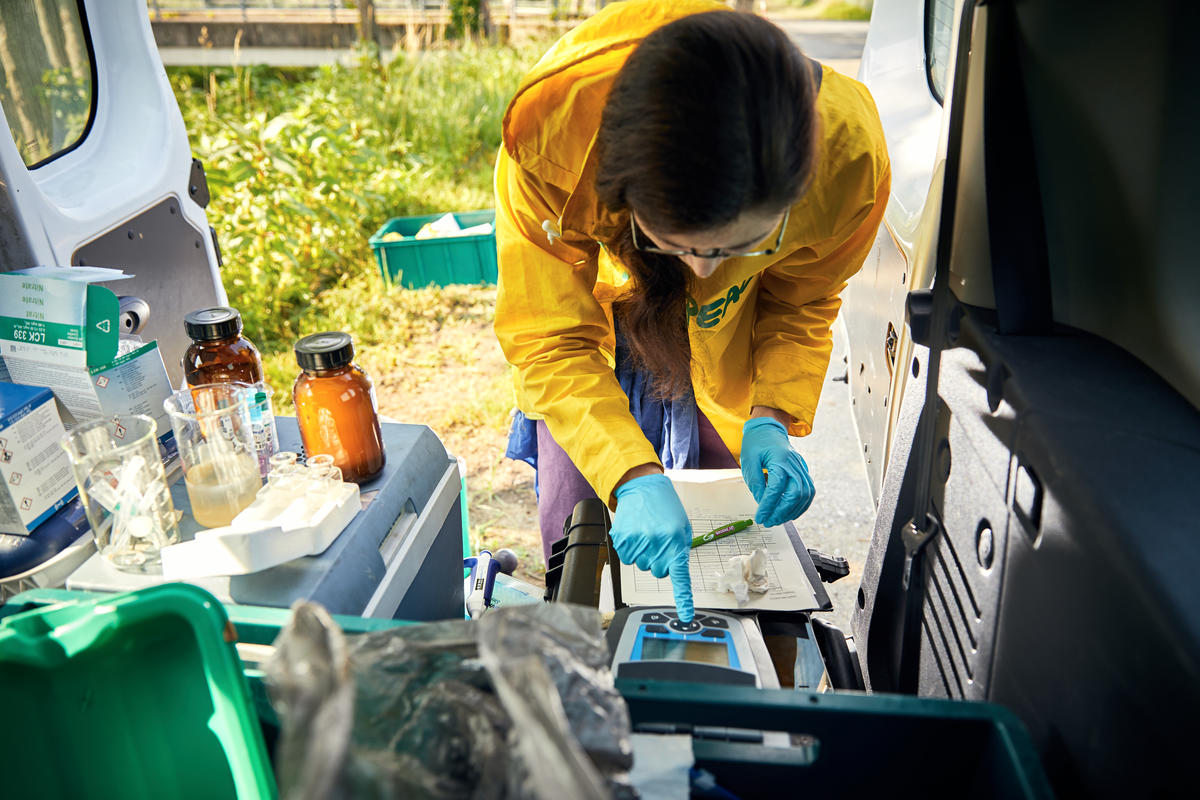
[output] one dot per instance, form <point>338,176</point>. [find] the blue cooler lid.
<point>22,553</point>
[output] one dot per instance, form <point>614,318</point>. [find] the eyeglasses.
<point>716,253</point>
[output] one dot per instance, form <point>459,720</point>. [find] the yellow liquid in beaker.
<point>220,488</point>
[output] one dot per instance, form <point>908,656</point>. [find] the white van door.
<point>96,169</point>
<point>905,64</point>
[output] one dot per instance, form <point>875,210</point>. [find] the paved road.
<point>244,56</point>
<point>838,44</point>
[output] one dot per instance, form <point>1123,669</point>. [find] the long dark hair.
<point>710,117</point>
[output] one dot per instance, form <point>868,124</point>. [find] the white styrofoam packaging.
<point>263,536</point>
<point>36,472</point>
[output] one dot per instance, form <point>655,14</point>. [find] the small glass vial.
<point>335,406</point>
<point>322,470</point>
<point>219,353</point>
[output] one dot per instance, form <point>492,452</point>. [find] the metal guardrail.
<point>324,23</point>
<point>337,8</point>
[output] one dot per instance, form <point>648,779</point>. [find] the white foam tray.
<point>239,550</point>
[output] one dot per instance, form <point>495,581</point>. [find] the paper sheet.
<point>661,765</point>
<point>713,498</point>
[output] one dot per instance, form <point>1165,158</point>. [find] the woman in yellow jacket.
<point>680,199</point>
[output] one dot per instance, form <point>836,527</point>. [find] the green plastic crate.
<point>417,263</point>
<point>138,695</point>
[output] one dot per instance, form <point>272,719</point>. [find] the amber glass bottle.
<point>219,353</point>
<point>335,406</point>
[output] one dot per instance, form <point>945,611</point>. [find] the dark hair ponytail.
<point>710,117</point>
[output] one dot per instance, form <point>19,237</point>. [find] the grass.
<point>391,326</point>
<point>304,165</point>
<point>822,9</point>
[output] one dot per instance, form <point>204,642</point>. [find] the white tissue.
<point>745,574</point>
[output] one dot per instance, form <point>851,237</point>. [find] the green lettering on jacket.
<point>711,314</point>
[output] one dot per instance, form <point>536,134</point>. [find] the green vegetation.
<point>822,9</point>
<point>465,17</point>
<point>304,165</point>
<point>844,10</point>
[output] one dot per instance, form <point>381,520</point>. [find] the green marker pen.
<point>724,530</point>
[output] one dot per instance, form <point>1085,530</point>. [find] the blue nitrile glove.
<point>651,530</point>
<point>787,490</point>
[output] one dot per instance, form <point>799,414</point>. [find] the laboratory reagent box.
<point>35,472</point>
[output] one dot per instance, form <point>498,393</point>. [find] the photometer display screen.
<point>678,650</point>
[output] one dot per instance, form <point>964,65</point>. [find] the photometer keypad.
<point>684,627</point>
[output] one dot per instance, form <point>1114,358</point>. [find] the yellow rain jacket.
<point>760,328</point>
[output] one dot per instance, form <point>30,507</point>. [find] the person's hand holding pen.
<point>651,530</point>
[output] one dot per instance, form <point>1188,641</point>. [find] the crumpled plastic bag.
<point>517,704</point>
<point>745,574</point>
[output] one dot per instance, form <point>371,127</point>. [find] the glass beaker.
<point>216,448</point>
<point>124,490</point>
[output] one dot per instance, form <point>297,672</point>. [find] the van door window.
<point>47,78</point>
<point>939,26</point>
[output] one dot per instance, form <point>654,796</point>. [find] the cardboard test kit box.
<point>58,329</point>
<point>36,473</point>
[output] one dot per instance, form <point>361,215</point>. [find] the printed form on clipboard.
<point>713,498</point>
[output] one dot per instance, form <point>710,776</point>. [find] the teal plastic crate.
<point>417,263</point>
<point>850,745</point>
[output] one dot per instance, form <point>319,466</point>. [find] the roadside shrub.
<point>304,165</point>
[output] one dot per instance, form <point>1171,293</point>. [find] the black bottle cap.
<point>328,350</point>
<point>211,324</point>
